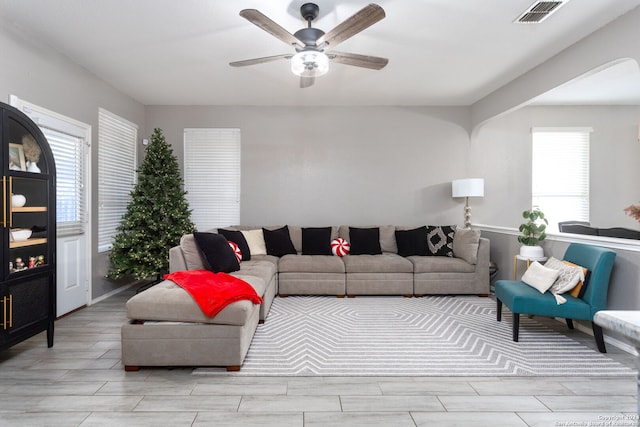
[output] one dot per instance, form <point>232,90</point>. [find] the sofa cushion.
<point>263,269</point>
<point>465,244</point>
<point>384,263</point>
<point>216,253</point>
<point>278,242</point>
<point>440,239</point>
<point>310,264</point>
<point>365,241</point>
<point>192,257</point>
<point>237,237</point>
<point>440,264</point>
<point>255,241</point>
<point>412,242</point>
<point>167,301</point>
<point>316,241</point>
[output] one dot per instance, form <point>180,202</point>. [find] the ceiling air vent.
<point>539,11</point>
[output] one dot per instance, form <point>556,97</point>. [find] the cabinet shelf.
<point>30,209</point>
<point>28,242</point>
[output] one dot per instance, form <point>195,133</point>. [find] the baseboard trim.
<point>113,292</point>
<point>622,345</point>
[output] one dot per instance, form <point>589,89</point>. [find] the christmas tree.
<point>156,217</point>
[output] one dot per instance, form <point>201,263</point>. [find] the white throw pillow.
<point>255,241</point>
<point>568,276</point>
<point>540,277</point>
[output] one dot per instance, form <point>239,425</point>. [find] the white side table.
<point>627,323</point>
<point>528,260</point>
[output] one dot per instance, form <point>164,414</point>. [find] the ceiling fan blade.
<point>363,19</point>
<point>306,81</point>
<point>365,61</point>
<point>260,60</point>
<point>259,19</point>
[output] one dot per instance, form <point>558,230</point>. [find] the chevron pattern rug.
<point>396,336</point>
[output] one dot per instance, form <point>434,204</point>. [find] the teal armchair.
<point>521,298</point>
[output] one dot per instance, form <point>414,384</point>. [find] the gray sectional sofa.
<point>165,324</point>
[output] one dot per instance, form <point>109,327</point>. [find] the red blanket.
<point>214,291</point>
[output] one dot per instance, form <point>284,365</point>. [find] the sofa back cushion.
<point>191,253</point>
<point>465,245</point>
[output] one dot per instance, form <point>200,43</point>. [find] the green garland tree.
<point>156,217</point>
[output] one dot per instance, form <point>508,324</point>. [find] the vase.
<point>531,252</point>
<point>18,200</point>
<point>33,167</point>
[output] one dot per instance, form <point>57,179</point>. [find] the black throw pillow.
<point>364,241</point>
<point>238,238</point>
<point>216,252</point>
<point>316,241</point>
<point>440,240</point>
<point>412,242</point>
<point>278,242</point>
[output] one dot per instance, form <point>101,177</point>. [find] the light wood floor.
<point>80,382</point>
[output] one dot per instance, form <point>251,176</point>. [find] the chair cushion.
<point>523,299</point>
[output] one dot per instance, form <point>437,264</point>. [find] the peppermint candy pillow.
<point>340,247</point>
<point>236,251</point>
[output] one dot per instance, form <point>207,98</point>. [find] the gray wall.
<point>614,157</point>
<point>345,165</point>
<point>35,73</point>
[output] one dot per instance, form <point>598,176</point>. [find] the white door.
<point>70,143</point>
<point>72,251</point>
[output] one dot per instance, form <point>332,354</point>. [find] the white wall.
<point>35,73</point>
<point>319,166</point>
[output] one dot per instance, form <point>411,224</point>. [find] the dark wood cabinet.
<point>28,236</point>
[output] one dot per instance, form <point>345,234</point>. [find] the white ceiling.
<point>441,52</point>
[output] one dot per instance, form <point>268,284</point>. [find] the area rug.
<point>396,336</point>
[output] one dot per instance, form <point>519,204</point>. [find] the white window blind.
<point>67,139</point>
<point>116,173</point>
<point>68,151</point>
<point>560,174</point>
<point>212,176</point>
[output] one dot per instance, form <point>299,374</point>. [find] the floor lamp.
<point>468,187</point>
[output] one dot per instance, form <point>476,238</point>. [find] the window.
<point>212,176</point>
<point>560,174</point>
<point>116,173</point>
<point>67,139</point>
<point>68,151</point>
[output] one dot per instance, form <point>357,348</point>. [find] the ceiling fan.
<point>314,47</point>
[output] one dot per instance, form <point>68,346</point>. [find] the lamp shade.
<point>468,187</point>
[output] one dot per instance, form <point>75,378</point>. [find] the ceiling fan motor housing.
<point>309,11</point>
<point>308,36</point>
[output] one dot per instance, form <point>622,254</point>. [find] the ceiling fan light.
<point>309,63</point>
